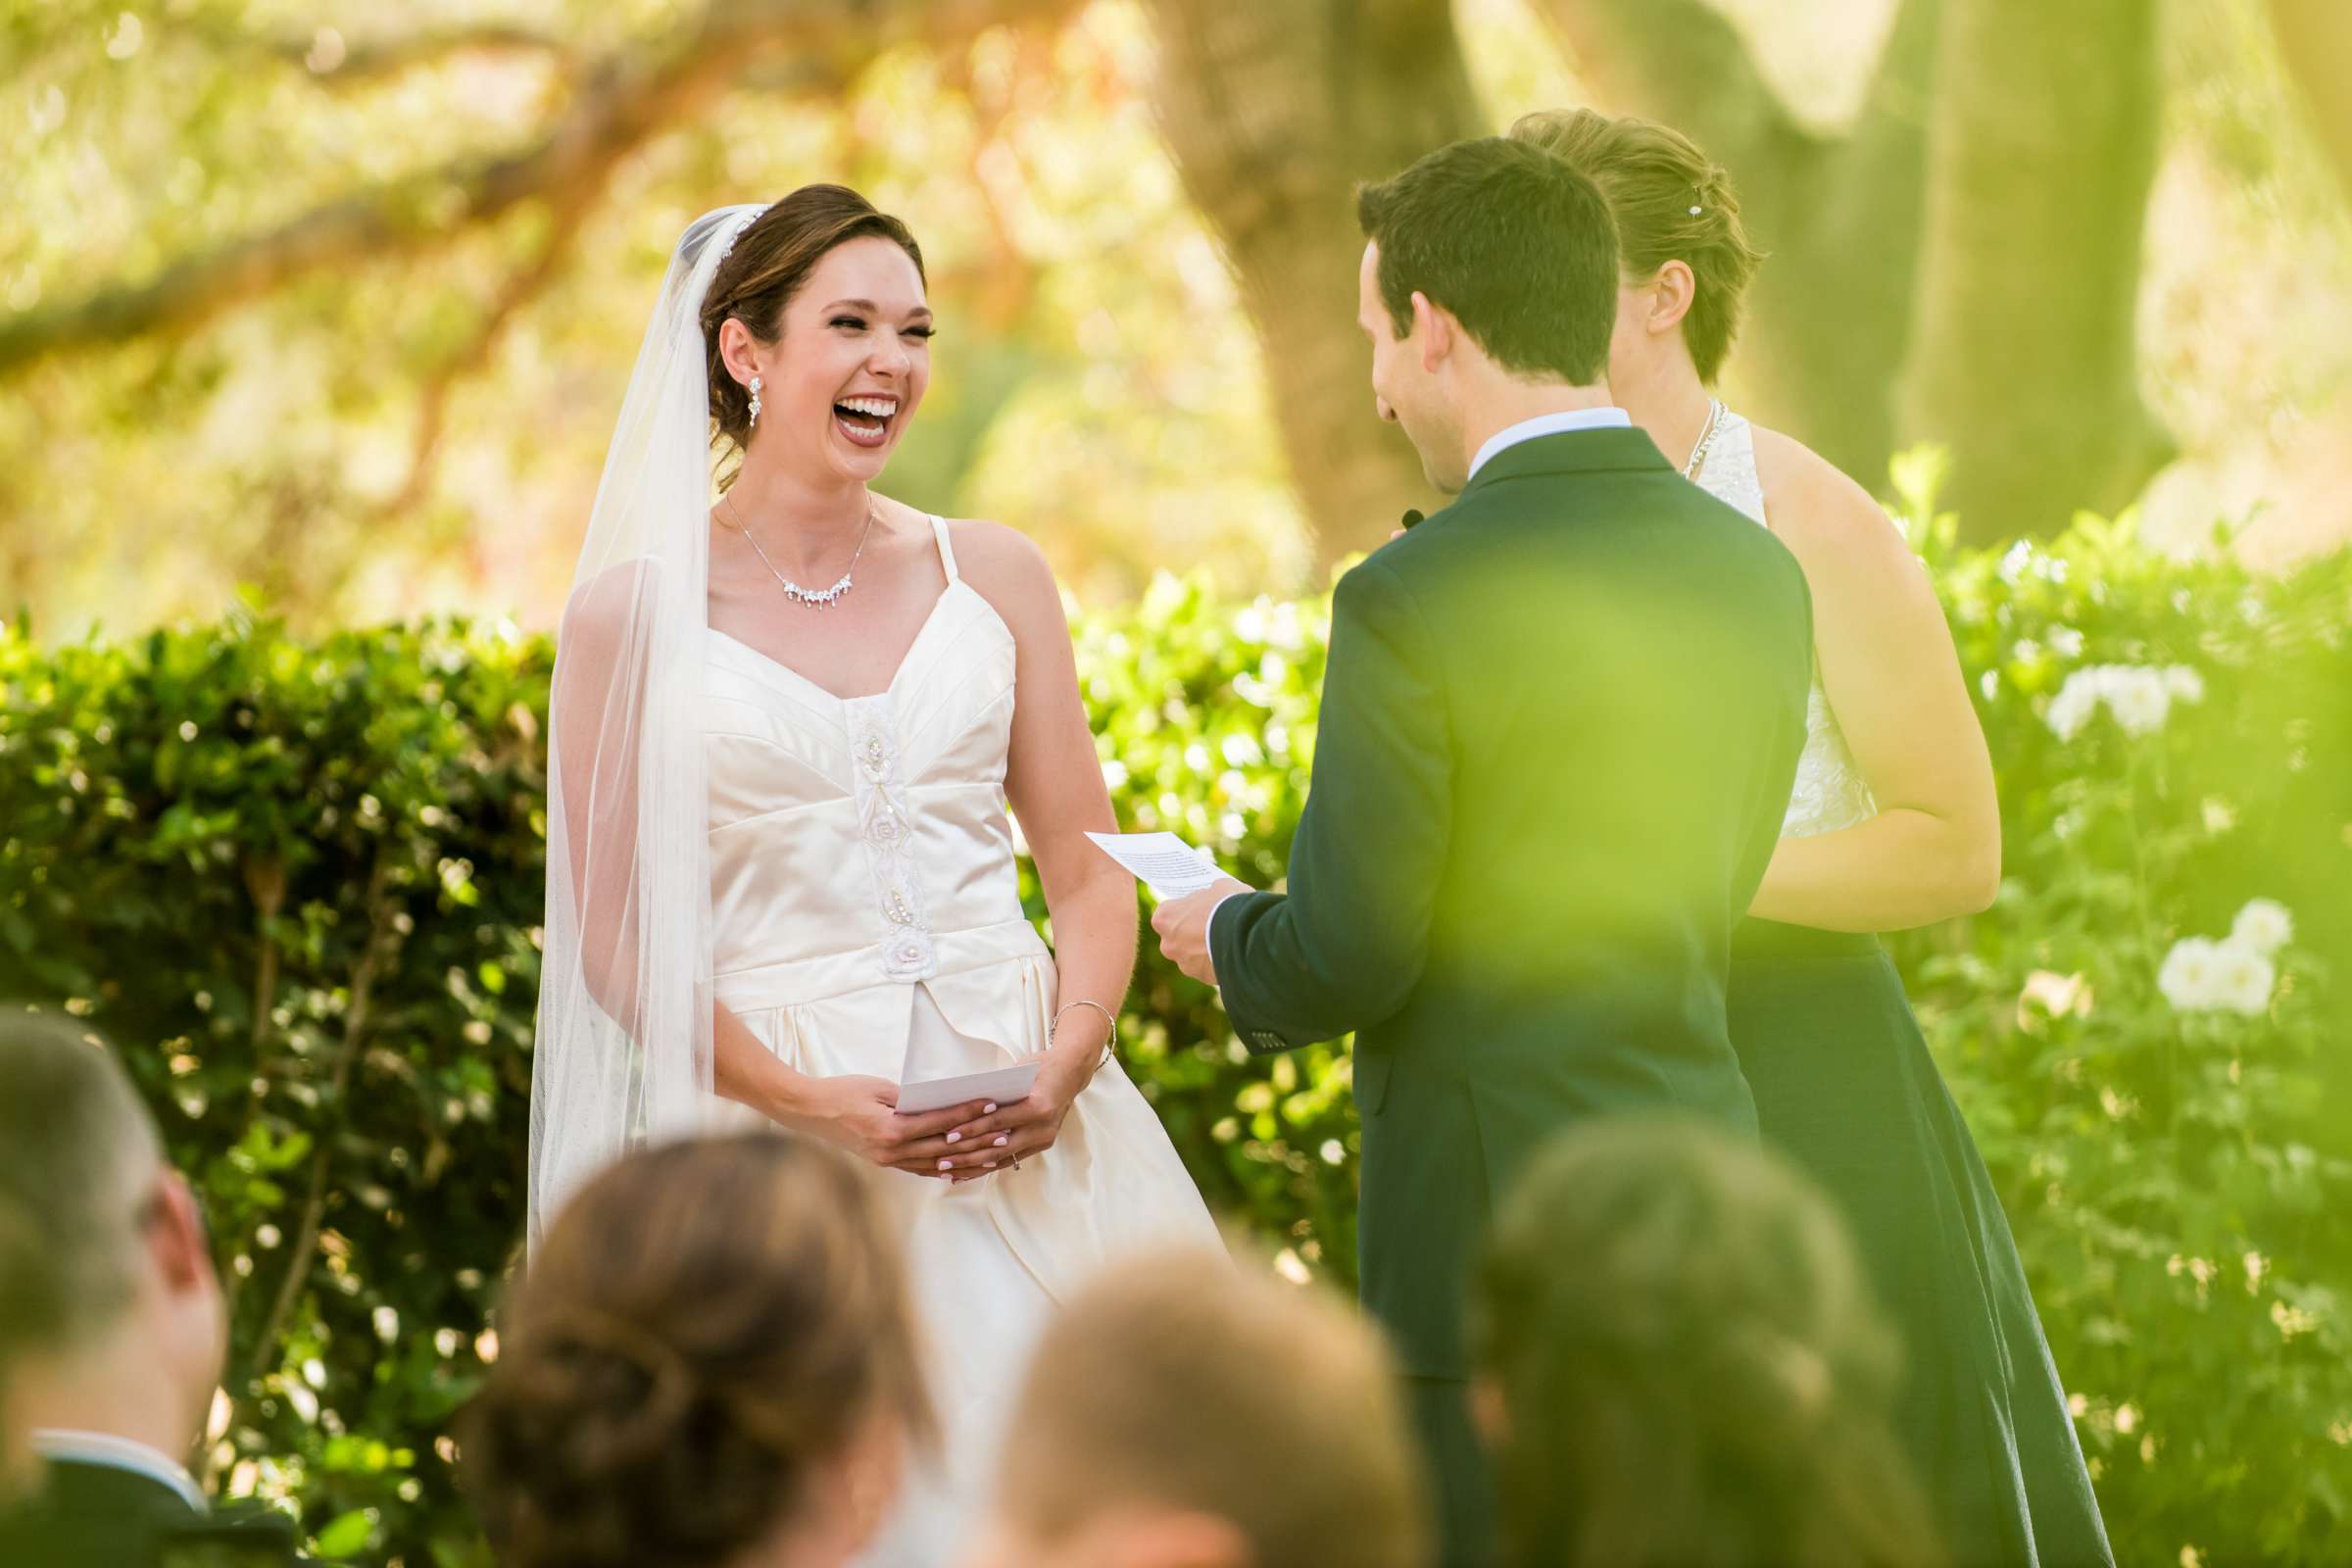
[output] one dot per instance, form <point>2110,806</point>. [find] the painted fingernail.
<point>1002,1141</point>
<point>947,1164</point>
<point>990,1106</point>
<point>955,1138</point>
<point>992,1164</point>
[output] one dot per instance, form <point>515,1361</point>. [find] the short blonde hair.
<point>1181,1382</point>
<point>77,1153</point>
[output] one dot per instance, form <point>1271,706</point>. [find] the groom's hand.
<point>1183,927</point>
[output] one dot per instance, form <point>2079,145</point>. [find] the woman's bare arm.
<point>1934,850</point>
<point>1055,784</point>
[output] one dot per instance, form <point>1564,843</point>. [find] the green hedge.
<point>299,882</point>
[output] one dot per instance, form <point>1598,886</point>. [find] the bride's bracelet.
<point>1109,1046</point>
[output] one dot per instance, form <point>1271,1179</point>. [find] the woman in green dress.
<point>1893,823</point>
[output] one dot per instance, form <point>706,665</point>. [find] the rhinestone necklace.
<point>1706,439</point>
<point>821,598</point>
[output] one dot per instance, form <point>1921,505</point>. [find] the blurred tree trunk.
<point>2022,358</point>
<point>2315,41</point>
<point>1960,266</point>
<point>1274,112</point>
<point>1830,314</point>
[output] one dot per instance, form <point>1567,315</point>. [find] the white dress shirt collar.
<point>1600,419</point>
<point>59,1444</point>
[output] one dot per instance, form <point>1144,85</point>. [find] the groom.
<point>1559,724</point>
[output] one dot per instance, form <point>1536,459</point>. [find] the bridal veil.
<point>625,1047</point>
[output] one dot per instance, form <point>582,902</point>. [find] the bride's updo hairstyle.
<point>1693,1369</point>
<point>1672,202</point>
<point>706,1328</point>
<point>769,263</point>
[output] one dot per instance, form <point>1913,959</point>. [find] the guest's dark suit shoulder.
<point>88,1514</point>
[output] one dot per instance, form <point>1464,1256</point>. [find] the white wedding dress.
<point>866,919</point>
<point>1830,792</point>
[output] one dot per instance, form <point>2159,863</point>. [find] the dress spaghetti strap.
<point>946,552</point>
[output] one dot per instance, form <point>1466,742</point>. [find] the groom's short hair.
<point>1517,245</point>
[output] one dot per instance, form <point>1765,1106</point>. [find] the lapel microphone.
<point>1412,517</point>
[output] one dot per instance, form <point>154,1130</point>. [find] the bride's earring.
<point>754,400</point>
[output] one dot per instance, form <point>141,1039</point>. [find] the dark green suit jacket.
<point>1560,721</point>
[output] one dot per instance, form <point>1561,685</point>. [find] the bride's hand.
<point>862,1115</point>
<point>1020,1129</point>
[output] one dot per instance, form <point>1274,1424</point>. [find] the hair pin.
<point>1694,210</point>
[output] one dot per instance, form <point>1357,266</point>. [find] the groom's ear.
<point>1433,329</point>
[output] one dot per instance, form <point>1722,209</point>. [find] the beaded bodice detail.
<point>864,839</point>
<point>1831,792</point>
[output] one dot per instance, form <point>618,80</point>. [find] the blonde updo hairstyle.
<point>705,1325</point>
<point>770,261</point>
<point>1672,202</point>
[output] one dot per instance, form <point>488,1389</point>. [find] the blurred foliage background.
<point>326,854</point>
<point>335,301</point>
<point>315,318</point>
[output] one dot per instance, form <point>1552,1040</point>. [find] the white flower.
<point>2139,700</point>
<point>2066,642</point>
<point>2141,697</point>
<point>2242,979</point>
<point>909,955</point>
<point>2073,704</point>
<point>2189,978</point>
<point>2205,976</point>
<point>2056,995</point>
<point>2263,926</point>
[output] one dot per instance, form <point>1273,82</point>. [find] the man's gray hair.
<point>79,1153</point>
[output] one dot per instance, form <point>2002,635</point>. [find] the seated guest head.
<point>1179,1414</point>
<point>29,1321</point>
<point>112,1326</point>
<point>708,1363</point>
<point>1488,289</point>
<point>1681,1363</point>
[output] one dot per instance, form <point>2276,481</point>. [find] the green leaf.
<point>348,1534</point>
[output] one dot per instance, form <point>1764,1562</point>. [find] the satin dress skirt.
<point>988,1260</point>
<point>980,1319</point>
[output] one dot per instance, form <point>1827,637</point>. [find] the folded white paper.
<point>1002,1085</point>
<point>1162,861</point>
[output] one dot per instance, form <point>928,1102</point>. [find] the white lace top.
<point>1831,792</point>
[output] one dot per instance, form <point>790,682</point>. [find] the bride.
<point>780,875</point>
